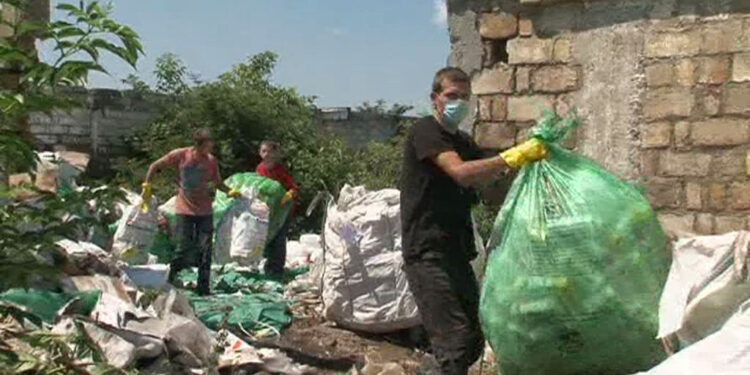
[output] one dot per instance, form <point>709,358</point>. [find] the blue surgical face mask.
<point>454,112</point>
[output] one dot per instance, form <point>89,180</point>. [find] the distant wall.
<point>98,127</point>
<point>357,129</point>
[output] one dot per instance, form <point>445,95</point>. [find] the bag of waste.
<point>363,284</point>
<point>723,352</point>
<point>573,283</point>
<point>242,233</point>
<point>268,191</point>
<point>708,282</point>
<point>45,305</point>
<point>136,231</point>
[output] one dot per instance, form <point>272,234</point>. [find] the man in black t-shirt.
<point>441,167</point>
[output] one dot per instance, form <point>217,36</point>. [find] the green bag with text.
<point>577,268</point>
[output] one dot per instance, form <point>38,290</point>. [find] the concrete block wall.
<point>663,87</point>
<point>99,126</point>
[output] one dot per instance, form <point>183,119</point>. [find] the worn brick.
<point>682,133</point>
<point>727,224</point>
<point>672,44</point>
<point>493,81</point>
<point>741,67</point>
<point>710,101</point>
<point>525,27</point>
<point>528,108</point>
<point>523,79</point>
<point>685,73</point>
<point>499,107</point>
<point>484,108</point>
<point>704,224</point>
<point>684,163</point>
<point>747,163</point>
<point>737,99</point>
<point>722,37</point>
<point>717,193</point>
<point>740,196</point>
<point>664,192</point>
<point>649,163</point>
<point>694,195</point>
<point>713,70</point>
<point>677,225</point>
<point>555,78</point>
<point>720,132</point>
<point>729,163</point>
<point>668,102</point>
<point>495,135</point>
<point>498,25</point>
<point>562,50</point>
<point>656,134</point>
<point>659,74</point>
<point>530,50</point>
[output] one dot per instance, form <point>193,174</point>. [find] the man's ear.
<point>433,96</point>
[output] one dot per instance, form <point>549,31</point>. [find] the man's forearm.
<point>476,172</point>
<point>151,171</point>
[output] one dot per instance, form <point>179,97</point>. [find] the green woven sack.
<point>579,261</point>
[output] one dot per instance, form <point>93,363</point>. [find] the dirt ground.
<point>331,350</point>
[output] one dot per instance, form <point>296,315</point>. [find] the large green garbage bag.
<point>45,305</point>
<point>576,272</point>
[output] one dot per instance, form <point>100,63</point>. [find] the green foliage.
<point>29,230</point>
<point>24,351</point>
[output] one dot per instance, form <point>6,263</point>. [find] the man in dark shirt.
<point>441,166</point>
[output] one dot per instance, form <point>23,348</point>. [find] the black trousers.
<point>275,252</point>
<point>194,239</point>
<point>447,294</point>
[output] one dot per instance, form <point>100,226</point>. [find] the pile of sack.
<point>242,226</point>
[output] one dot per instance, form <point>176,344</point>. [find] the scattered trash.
<point>153,276</point>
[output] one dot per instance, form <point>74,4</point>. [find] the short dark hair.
<point>201,136</point>
<point>455,75</point>
<point>272,144</point>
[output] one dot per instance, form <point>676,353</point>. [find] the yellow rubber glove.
<point>290,194</point>
<point>146,195</point>
<point>527,152</point>
<point>234,194</point>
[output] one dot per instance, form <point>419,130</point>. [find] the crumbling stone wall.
<point>663,87</point>
<point>359,129</point>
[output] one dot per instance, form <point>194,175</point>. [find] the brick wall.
<point>663,87</point>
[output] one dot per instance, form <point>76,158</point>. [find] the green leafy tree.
<point>29,229</point>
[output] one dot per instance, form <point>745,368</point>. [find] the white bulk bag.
<point>364,286</point>
<point>707,283</point>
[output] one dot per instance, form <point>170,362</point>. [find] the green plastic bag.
<point>45,305</point>
<point>246,312</point>
<point>579,261</point>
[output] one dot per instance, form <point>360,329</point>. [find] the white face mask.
<point>454,112</point>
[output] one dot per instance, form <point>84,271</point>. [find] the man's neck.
<point>199,153</point>
<point>443,126</point>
